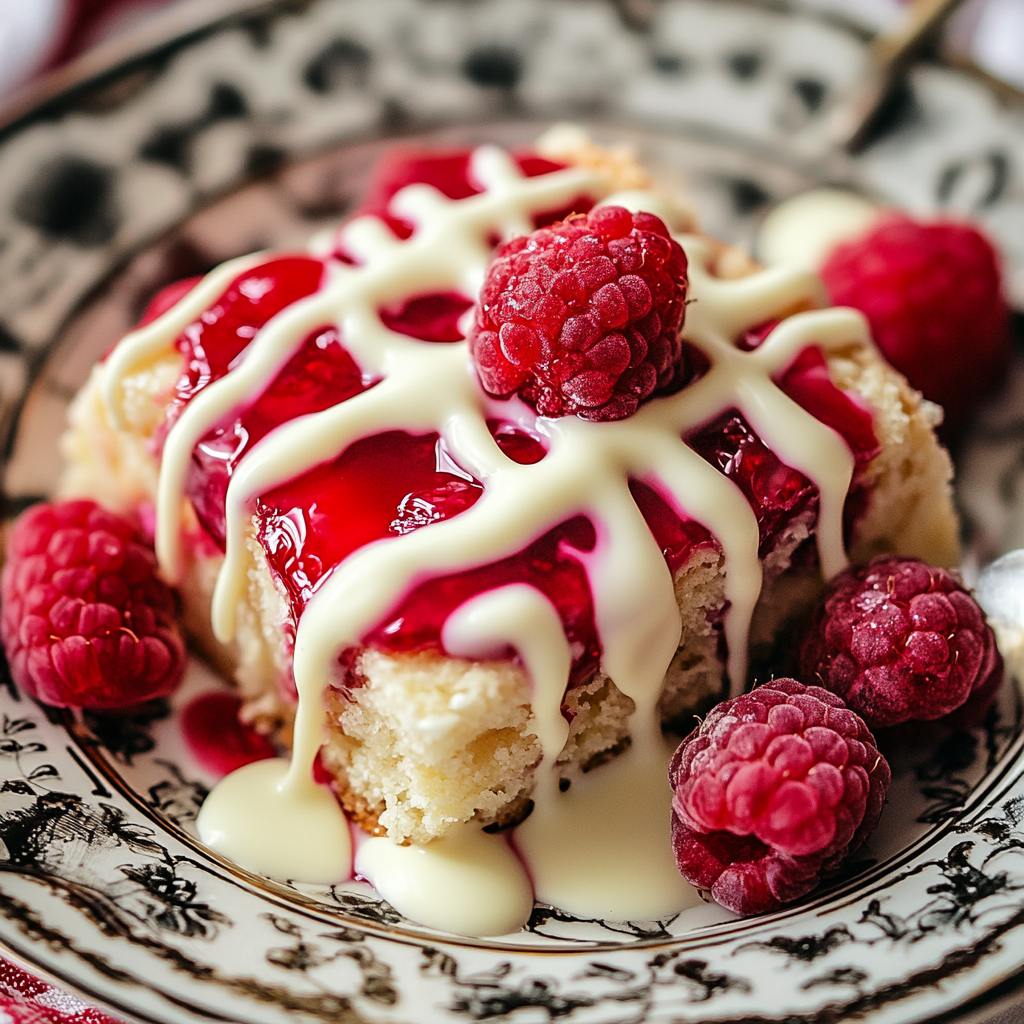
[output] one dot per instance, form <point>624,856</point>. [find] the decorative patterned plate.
<point>259,130</point>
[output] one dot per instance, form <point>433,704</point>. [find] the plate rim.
<point>116,58</point>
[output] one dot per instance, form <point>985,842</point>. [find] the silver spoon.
<point>892,54</point>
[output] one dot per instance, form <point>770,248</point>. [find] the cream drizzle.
<point>802,230</point>
<point>410,877</point>
<point>426,387</point>
<point>521,617</point>
<point>603,848</point>
<point>318,846</point>
<point>147,343</point>
<point>466,882</point>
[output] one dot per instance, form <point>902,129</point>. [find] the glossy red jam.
<point>394,483</point>
<point>216,737</point>
<point>807,382</point>
<point>449,172</point>
<point>318,376</point>
<point>321,374</point>
<point>167,297</point>
<point>677,537</point>
<point>381,486</point>
<point>227,327</point>
<point>551,564</point>
<point>433,317</point>
<point>516,444</point>
<point>777,493</point>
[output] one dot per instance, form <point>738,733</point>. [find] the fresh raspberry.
<point>933,296</point>
<point>900,641</point>
<point>85,620</point>
<point>584,316</point>
<point>771,792</point>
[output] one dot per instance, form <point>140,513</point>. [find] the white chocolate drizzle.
<point>804,229</point>
<point>466,882</point>
<point>427,387</point>
<point>520,617</point>
<point>320,847</point>
<point>602,848</point>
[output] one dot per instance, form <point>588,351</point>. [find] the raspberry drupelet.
<point>772,791</point>
<point>86,621</point>
<point>901,641</point>
<point>583,317</point>
<point>933,296</point>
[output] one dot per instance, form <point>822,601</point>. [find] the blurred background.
<point>38,36</point>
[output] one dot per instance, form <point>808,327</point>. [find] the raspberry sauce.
<point>165,298</point>
<point>381,486</point>
<point>516,444</point>
<point>433,317</point>
<point>226,328</point>
<point>319,375</point>
<point>394,483</point>
<point>551,564</point>
<point>678,538</point>
<point>216,737</point>
<point>777,493</point>
<point>807,382</point>
<point>449,172</point>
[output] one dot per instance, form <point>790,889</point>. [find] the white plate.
<point>102,883</point>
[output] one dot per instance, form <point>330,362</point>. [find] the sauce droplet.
<point>467,882</point>
<point>277,826</point>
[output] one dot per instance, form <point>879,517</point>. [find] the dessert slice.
<point>334,474</point>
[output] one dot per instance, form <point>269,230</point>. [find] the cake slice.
<point>416,738</point>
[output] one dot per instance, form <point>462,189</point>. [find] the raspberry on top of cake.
<point>474,580</point>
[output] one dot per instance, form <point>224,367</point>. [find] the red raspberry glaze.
<point>677,537</point>
<point>518,446</point>
<point>392,483</point>
<point>807,382</point>
<point>772,791</point>
<point>552,564</point>
<point>86,622</point>
<point>320,374</point>
<point>387,485</point>
<point>449,172</point>
<point>167,297</point>
<point>226,327</point>
<point>216,737</point>
<point>778,494</point>
<point>433,317</point>
<point>381,486</point>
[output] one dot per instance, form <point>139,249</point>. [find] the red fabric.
<point>88,22</point>
<point>26,999</point>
